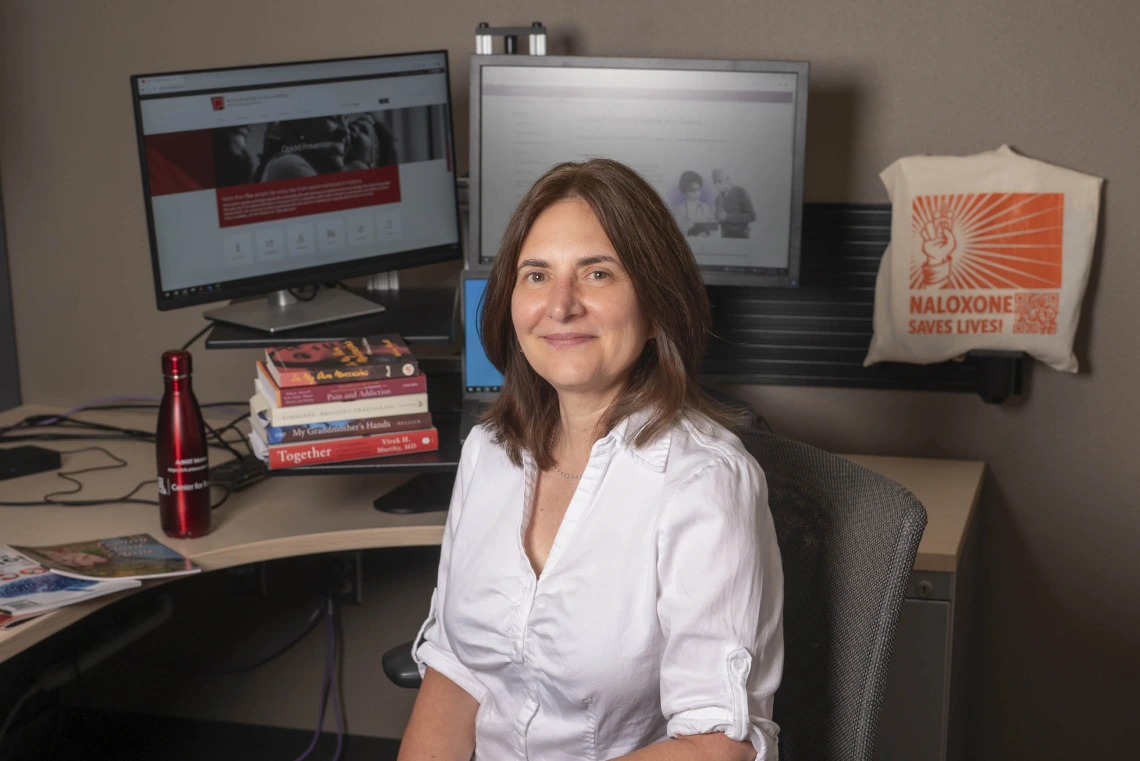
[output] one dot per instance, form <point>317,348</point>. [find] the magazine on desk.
<point>139,556</point>
<point>27,589</point>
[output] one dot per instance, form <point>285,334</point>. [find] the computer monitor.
<point>265,178</point>
<point>722,141</point>
<point>479,376</point>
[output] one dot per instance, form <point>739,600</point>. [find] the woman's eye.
<point>599,275</point>
<point>533,277</point>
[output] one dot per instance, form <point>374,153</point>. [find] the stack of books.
<point>337,401</point>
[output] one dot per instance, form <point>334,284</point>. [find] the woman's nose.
<point>564,300</point>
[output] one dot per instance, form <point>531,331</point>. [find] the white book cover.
<point>329,412</point>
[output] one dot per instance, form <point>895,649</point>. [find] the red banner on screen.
<point>283,199</point>
<point>179,162</point>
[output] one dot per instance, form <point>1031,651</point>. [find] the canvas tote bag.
<point>990,251</point>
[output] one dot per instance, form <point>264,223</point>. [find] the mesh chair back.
<point>848,538</point>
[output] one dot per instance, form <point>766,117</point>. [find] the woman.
<point>370,144</point>
<point>609,582</point>
<point>693,216</point>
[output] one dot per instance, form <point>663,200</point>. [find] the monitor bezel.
<point>324,273</point>
<point>474,255</point>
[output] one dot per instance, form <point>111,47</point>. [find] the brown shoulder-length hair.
<point>669,290</point>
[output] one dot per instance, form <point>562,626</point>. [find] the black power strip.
<point>239,473</point>
<point>25,460</point>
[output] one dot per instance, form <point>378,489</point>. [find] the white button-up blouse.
<point>658,613</point>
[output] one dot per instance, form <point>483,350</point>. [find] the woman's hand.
<point>442,727</point>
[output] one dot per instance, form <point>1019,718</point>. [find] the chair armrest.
<point>400,667</point>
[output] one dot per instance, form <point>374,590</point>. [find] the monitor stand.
<point>281,310</point>
<point>424,493</point>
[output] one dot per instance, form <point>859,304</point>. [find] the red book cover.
<point>357,448</point>
<point>355,359</point>
<point>296,396</point>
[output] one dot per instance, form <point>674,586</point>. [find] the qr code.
<point>1036,313</point>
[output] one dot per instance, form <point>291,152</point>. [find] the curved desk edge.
<point>20,638</point>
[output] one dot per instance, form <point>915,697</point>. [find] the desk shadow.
<point>98,735</point>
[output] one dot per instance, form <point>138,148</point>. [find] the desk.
<point>280,517</point>
<point>284,517</point>
<point>924,711</point>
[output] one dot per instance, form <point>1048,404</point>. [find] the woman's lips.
<point>566,340</point>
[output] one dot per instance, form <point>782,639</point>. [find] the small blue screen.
<point>479,374</point>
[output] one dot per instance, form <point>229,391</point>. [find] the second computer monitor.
<point>479,375</point>
<point>721,141</point>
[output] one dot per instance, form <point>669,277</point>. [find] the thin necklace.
<point>562,473</point>
<point>566,475</point>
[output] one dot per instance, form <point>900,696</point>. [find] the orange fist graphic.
<point>938,246</point>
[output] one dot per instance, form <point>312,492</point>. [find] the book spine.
<point>385,367</point>
<point>341,429</point>
<point>359,448</point>
<point>404,404</point>
<point>295,396</point>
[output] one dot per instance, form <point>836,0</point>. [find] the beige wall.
<point>1055,78</point>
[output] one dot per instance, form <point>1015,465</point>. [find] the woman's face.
<point>693,193</point>
<point>574,309</point>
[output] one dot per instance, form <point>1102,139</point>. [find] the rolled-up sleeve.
<point>432,646</point>
<point>720,605</point>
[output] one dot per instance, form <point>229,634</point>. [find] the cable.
<point>222,501</point>
<point>197,335</point>
<point>215,439</point>
<point>221,441</point>
<point>49,499</point>
<point>315,618</point>
<point>100,402</point>
<point>232,425</point>
<point>338,686</point>
<point>149,402</point>
<point>326,682</point>
<point>63,421</point>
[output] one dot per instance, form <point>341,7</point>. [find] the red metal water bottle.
<point>183,454</point>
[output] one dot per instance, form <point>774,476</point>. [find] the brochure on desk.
<point>27,589</point>
<point>139,556</point>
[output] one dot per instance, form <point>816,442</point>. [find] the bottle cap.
<point>176,364</point>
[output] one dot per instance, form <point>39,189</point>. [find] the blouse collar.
<point>655,454</point>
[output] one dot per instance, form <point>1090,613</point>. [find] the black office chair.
<point>848,537</point>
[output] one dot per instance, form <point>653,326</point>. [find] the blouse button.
<point>739,664</point>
